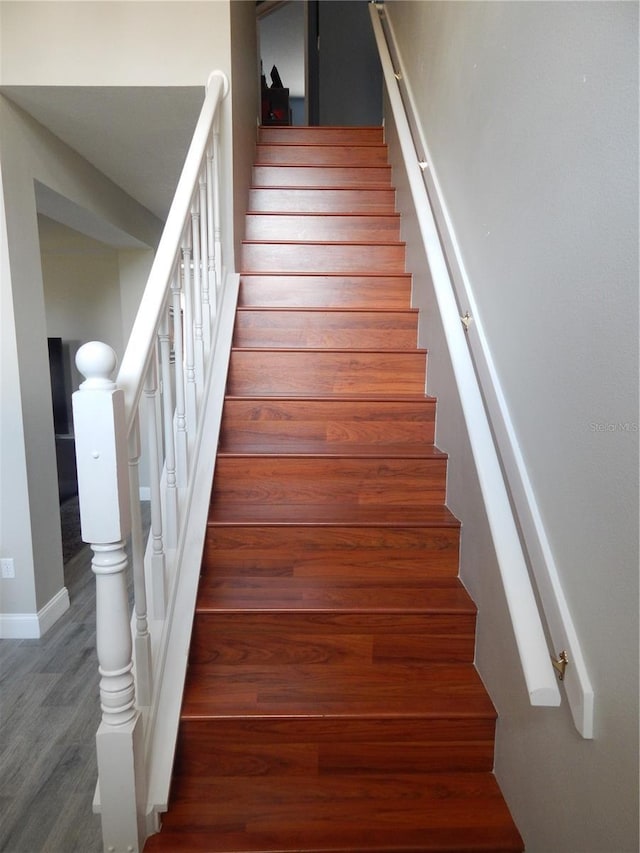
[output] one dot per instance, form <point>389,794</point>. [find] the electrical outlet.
<point>7,569</point>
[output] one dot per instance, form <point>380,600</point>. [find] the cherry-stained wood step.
<point>304,635</point>
<point>390,292</point>
<point>329,329</point>
<point>430,813</point>
<point>320,372</point>
<point>374,421</point>
<point>321,135</point>
<point>310,620</point>
<point>313,748</point>
<point>322,479</point>
<point>454,691</point>
<point>353,227</point>
<point>252,543</point>
<point>321,176</point>
<point>372,200</point>
<point>295,256</point>
<point>318,154</point>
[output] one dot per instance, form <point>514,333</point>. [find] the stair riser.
<point>331,551</point>
<point>319,747</point>
<point>321,155</point>
<point>376,422</point>
<point>315,373</point>
<point>311,291</point>
<point>322,200</point>
<point>346,258</point>
<point>328,330</point>
<point>321,176</point>
<point>321,135</point>
<point>283,480</point>
<point>352,228</point>
<point>265,638</point>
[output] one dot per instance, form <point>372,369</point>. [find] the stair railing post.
<point>182,461</point>
<point>103,488</point>
<point>211,256</point>
<point>171,485</point>
<point>188,330</point>
<point>204,252</point>
<point>197,293</point>
<point>216,204</point>
<point>142,638</point>
<point>158,563</point>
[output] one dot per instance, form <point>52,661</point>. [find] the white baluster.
<point>158,581</point>
<point>211,257</point>
<point>171,491</point>
<point>142,639</point>
<point>204,252</point>
<point>101,452</point>
<point>198,342</point>
<point>178,351</point>
<point>216,203</point>
<point>190,370</point>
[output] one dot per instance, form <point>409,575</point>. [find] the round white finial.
<point>96,361</point>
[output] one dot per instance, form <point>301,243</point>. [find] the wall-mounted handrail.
<point>540,679</point>
<point>153,417</point>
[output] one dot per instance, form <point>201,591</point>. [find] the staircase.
<point>331,701</point>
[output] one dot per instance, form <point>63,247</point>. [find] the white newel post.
<point>102,461</point>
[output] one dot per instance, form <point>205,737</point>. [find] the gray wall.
<point>30,527</point>
<point>530,112</point>
<point>349,68</point>
<point>245,77</point>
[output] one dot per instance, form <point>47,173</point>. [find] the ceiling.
<point>137,136</point>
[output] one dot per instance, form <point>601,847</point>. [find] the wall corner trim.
<point>29,626</point>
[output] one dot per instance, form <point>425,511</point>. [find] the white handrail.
<point>535,659</point>
<point>171,382</point>
<point>133,367</point>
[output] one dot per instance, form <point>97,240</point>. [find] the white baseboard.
<point>30,626</point>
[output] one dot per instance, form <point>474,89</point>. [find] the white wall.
<point>113,42</point>
<point>530,112</point>
<point>81,279</point>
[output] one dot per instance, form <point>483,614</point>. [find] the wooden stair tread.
<point>448,812</point>
<point>325,290</point>
<point>380,689</point>
<point>338,351</point>
<point>331,313</point>
<point>375,199</point>
<point>337,515</point>
<point>293,447</point>
<point>311,594</point>
<point>349,397</point>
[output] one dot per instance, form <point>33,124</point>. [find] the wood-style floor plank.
<point>351,227</point>
<point>325,291</point>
